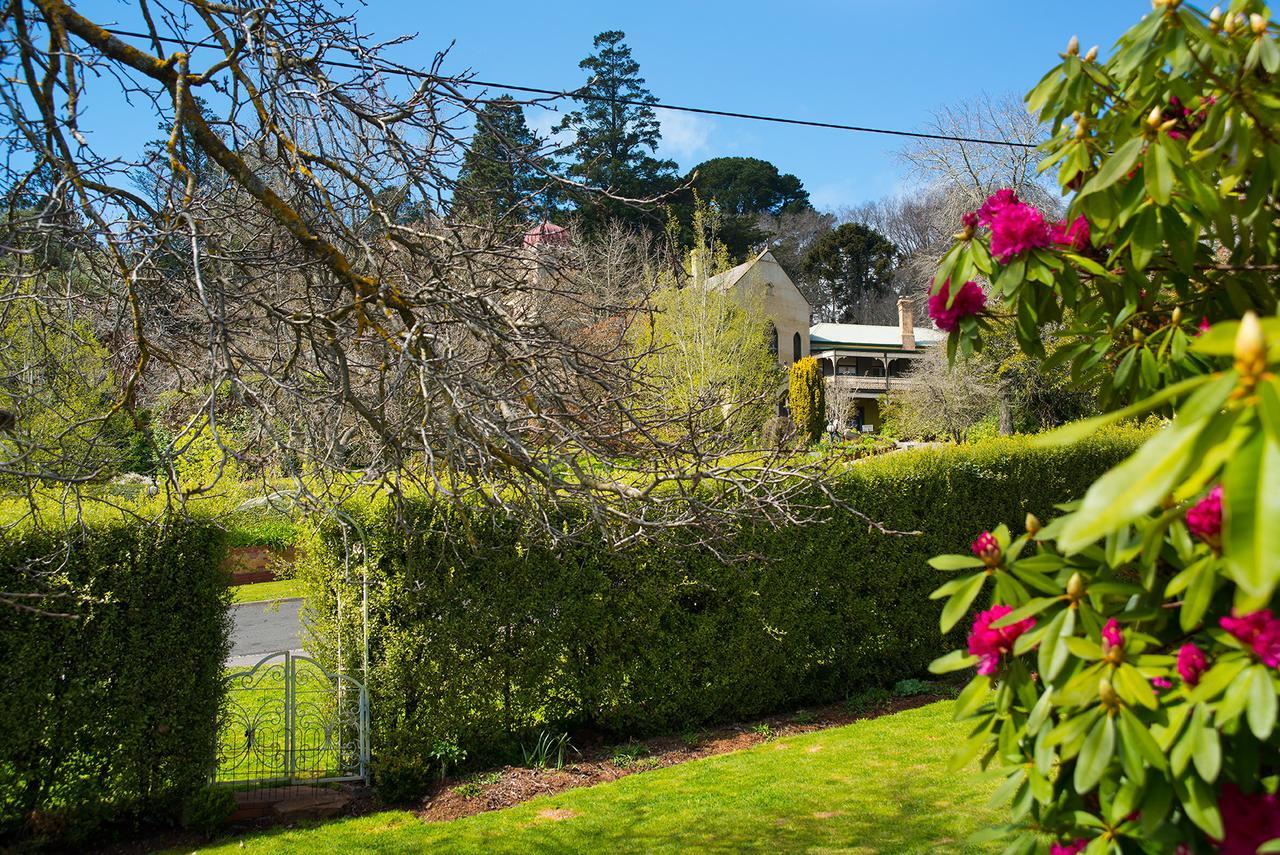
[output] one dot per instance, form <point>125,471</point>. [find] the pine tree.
<point>503,172</point>
<point>614,143</point>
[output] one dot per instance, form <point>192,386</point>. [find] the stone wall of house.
<point>767,284</point>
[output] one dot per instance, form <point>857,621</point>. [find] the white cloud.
<point>684,135</point>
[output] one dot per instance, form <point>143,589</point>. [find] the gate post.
<point>289,703</point>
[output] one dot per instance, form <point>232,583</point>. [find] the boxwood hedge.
<point>483,632</point>
<point>108,715</point>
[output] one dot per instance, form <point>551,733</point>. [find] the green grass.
<point>278,590</point>
<point>879,785</point>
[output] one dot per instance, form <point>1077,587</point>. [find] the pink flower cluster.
<point>1111,634</point>
<point>1204,518</point>
<point>969,300</point>
<point>1191,664</point>
<point>1187,121</point>
<point>1073,848</point>
<point>987,548</point>
<point>1259,631</point>
<point>988,643</point>
<point>1160,684</point>
<point>1248,821</point>
<point>1018,228</point>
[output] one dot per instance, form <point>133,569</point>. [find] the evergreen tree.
<point>614,143</point>
<point>502,172</point>
<point>850,271</point>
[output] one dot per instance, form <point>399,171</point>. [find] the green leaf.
<point>1261,711</point>
<point>1133,730</point>
<point>1134,487</point>
<point>1083,648</point>
<point>1095,754</point>
<point>1085,428</point>
<point>1034,607</point>
<point>1133,687</point>
<point>1251,508</point>
<point>1116,167</point>
<point>960,601</point>
<point>1206,752</point>
<point>1040,713</point>
<point>1158,173</point>
<point>956,660</point>
<point>1053,654</point>
<point>1201,804</point>
<point>955,562</point>
<point>1217,678</point>
<point>972,697</point>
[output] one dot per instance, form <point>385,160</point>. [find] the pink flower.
<point>1072,848</point>
<point>969,220</point>
<point>1248,821</point>
<point>1074,236</point>
<point>987,548</point>
<point>996,203</point>
<point>1016,229</point>
<point>1111,634</point>
<point>1160,684</point>
<point>1259,631</point>
<point>990,644</point>
<point>1191,664</point>
<point>970,300</point>
<point>1204,518</point>
<point>1204,325</point>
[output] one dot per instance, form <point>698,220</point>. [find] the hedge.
<point>482,632</point>
<point>109,715</point>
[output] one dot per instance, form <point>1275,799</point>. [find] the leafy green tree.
<point>706,351</point>
<point>806,398</point>
<point>850,270</point>
<point>743,189</point>
<point>1127,659</point>
<point>503,171</point>
<point>615,143</point>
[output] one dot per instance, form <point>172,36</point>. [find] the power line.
<point>578,94</point>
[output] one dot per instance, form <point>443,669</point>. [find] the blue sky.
<point>853,61</point>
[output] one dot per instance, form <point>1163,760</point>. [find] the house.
<point>860,361</point>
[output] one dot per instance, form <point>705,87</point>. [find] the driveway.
<point>262,628</point>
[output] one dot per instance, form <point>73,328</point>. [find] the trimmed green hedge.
<point>108,716</point>
<point>482,633</point>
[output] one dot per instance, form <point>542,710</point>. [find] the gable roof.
<point>878,336</point>
<point>731,277</point>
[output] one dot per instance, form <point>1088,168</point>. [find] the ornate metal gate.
<point>289,721</point>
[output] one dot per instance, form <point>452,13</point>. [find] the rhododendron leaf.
<point>956,660</point>
<point>1040,713</point>
<point>949,587</point>
<point>1071,728</point>
<point>1076,431</point>
<point>1095,754</point>
<point>1083,648</point>
<point>1045,562</point>
<point>1145,238</point>
<point>958,606</point>
<point>1023,612</point>
<point>1269,408</point>
<point>955,562</point>
<point>1251,507</point>
<point>1116,167</point>
<point>1207,752</point>
<point>972,697</point>
<point>1217,678</point>
<point>1035,579</point>
<point>1201,804</point>
<point>1220,339</point>
<point>1053,655</point>
<point>1133,687</point>
<point>1234,700</point>
<point>1199,595</point>
<point>1272,845</point>
<point>1134,731</point>
<point>1261,711</point>
<point>1135,486</point>
<point>1158,172</point>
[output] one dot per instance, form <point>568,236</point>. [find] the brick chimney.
<point>907,323</point>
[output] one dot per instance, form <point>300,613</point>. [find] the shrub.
<point>1126,651</point>
<point>807,399</point>
<point>210,809</point>
<point>778,433</point>
<point>109,715</point>
<point>912,687</point>
<point>482,631</point>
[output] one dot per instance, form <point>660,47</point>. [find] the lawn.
<point>879,785</point>
<point>280,589</point>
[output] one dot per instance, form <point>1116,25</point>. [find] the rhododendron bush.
<point>1125,653</point>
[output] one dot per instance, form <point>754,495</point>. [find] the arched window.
<point>795,347</point>
<point>773,340</point>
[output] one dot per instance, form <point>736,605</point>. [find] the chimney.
<point>907,323</point>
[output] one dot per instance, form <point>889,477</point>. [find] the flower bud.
<point>1215,18</point>
<point>1082,130</point>
<point>1073,46</point>
<point>1075,586</point>
<point>1229,24</point>
<point>1107,694</point>
<point>1155,118</point>
<point>1258,24</point>
<point>1251,346</point>
<point>1033,524</point>
<point>1092,54</point>
<point>1176,317</point>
